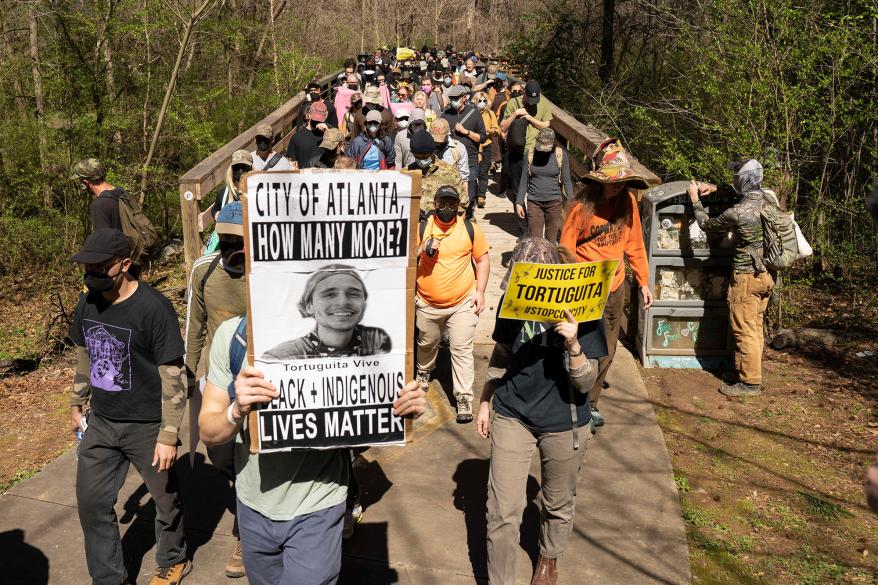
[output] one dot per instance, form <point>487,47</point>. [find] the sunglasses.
<point>483,101</point>
<point>448,205</point>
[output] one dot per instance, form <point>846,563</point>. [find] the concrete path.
<point>425,517</point>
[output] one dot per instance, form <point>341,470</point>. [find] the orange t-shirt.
<point>447,279</point>
<point>617,243</point>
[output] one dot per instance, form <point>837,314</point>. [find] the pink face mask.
<point>427,89</point>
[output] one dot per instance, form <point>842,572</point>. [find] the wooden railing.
<point>211,172</point>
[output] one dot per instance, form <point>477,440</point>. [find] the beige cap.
<point>265,130</point>
<point>242,157</point>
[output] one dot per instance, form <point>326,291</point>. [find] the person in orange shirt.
<point>604,224</point>
<point>450,294</point>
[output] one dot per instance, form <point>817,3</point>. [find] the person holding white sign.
<point>291,504</point>
<point>335,297</point>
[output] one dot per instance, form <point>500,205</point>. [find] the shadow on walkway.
<point>21,563</point>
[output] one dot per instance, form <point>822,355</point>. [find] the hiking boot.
<point>545,573</point>
<point>423,380</point>
<point>172,575</point>
<point>464,410</point>
<point>741,389</point>
<point>235,565</point>
<point>480,201</point>
<point>597,417</point>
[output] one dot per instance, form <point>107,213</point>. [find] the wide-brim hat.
<point>372,95</point>
<point>612,164</point>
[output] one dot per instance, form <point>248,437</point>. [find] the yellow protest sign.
<point>404,54</point>
<point>541,292</point>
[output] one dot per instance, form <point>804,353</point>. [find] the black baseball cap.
<point>446,191</point>
<point>531,93</point>
<point>103,244</point>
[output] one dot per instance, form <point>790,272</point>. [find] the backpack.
<point>135,225</point>
<point>782,240</point>
<point>237,351</point>
<point>559,156</point>
<point>272,161</point>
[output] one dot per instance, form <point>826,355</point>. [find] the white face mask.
<point>372,128</point>
<point>483,106</point>
<point>423,162</point>
<point>402,123</point>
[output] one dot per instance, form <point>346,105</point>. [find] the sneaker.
<point>424,380</point>
<point>464,410</point>
<point>235,565</point>
<point>480,201</point>
<point>596,417</point>
<point>741,389</point>
<point>172,575</point>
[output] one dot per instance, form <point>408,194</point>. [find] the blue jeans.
<point>303,551</point>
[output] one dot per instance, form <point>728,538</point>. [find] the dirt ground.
<point>771,486</point>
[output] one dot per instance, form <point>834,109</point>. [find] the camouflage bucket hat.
<point>612,164</point>
<point>545,140</point>
<point>242,157</point>
<point>89,169</point>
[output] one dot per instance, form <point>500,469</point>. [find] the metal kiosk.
<point>688,323</point>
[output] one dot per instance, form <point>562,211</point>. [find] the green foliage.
<point>698,85</point>
<point>104,68</point>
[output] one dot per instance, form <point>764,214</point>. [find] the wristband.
<point>575,354</point>
<point>231,417</point>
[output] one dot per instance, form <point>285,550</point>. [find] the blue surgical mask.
<point>424,162</point>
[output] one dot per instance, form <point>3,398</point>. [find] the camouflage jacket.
<point>441,173</point>
<point>745,220</point>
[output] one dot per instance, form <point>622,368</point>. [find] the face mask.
<point>446,215</point>
<point>262,144</point>
<point>372,128</point>
<point>446,82</point>
<point>515,94</point>
<point>532,110</point>
<point>314,97</point>
<point>238,172</point>
<point>402,123</point>
<point>233,255</point>
<point>353,86</point>
<point>424,163</point>
<point>100,282</point>
<point>483,106</point>
<point>427,89</point>
<point>455,104</point>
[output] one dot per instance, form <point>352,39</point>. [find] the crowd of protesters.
<point>457,119</point>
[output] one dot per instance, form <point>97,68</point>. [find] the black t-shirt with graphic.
<point>536,388</point>
<point>126,344</point>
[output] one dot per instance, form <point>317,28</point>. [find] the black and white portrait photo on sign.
<point>328,258</point>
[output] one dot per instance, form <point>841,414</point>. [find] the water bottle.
<point>80,432</point>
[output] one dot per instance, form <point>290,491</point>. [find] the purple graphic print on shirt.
<point>109,356</point>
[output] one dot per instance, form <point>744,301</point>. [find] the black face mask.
<point>232,253</point>
<point>315,96</point>
<point>100,282</point>
<point>532,110</point>
<point>515,94</point>
<point>238,172</point>
<point>353,86</point>
<point>446,215</point>
<point>262,144</point>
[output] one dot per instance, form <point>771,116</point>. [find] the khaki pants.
<point>613,320</point>
<point>461,321</point>
<point>748,299</point>
<point>512,448</point>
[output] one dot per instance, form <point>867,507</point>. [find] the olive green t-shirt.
<point>280,486</point>
<point>544,114</point>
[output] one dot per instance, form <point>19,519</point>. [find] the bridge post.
<point>190,195</point>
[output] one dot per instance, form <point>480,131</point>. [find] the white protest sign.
<point>329,294</point>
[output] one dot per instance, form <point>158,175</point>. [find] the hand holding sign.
<point>568,329</point>
<point>412,401</point>
<point>251,388</point>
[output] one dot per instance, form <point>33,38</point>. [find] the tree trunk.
<point>20,105</point>
<point>39,99</point>
<point>169,91</point>
<point>606,69</point>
